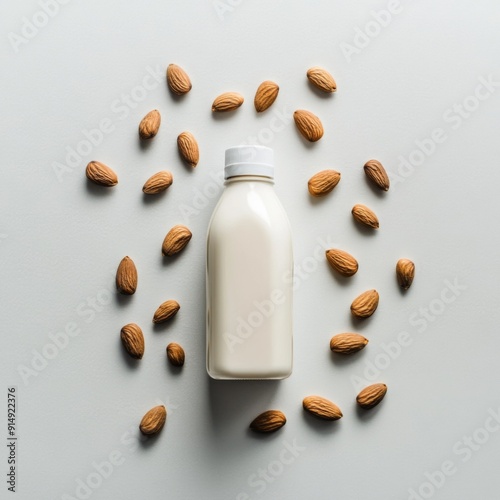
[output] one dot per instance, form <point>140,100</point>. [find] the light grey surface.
<point>61,241</point>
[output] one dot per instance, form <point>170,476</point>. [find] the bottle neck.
<point>249,178</point>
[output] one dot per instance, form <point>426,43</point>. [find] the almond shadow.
<point>364,229</point>
<point>318,92</point>
<point>366,415</point>
<point>131,362</point>
<point>321,425</point>
<point>346,359</point>
<point>96,190</point>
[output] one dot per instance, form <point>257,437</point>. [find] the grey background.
<point>61,241</point>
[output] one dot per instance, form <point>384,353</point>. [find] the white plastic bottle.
<point>249,271</point>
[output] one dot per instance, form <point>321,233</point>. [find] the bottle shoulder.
<point>249,206</point>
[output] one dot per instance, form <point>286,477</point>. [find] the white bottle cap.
<point>249,160</point>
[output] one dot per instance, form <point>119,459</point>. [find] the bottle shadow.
<point>231,400</point>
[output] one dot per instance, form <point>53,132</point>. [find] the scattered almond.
<point>178,80</point>
<point>154,420</point>
<point>126,276</point>
<point>365,304</point>
<point>371,396</point>
<point>365,216</point>
<point>150,125</point>
<point>188,148</point>
<point>175,240</point>
<point>343,262</point>
<point>347,343</point>
<point>166,311</point>
<point>133,340</point>
<point>321,408</point>
<point>228,101</point>
<point>101,174</point>
<point>309,125</point>
<point>405,272</point>
<point>176,354</point>
<point>321,79</point>
<point>268,421</point>
<point>323,182</point>
<point>375,171</point>
<point>158,182</point>
<point>265,96</point>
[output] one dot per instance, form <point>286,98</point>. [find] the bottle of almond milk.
<point>249,264</point>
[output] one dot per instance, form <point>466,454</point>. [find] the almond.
<point>175,240</point>
<point>365,304</point>
<point>268,421</point>
<point>158,182</point>
<point>154,420</point>
<point>321,408</point>
<point>176,354</point>
<point>321,79</point>
<point>343,262</point>
<point>323,182</point>
<point>347,343</point>
<point>371,396</point>
<point>166,311</point>
<point>126,277</point>
<point>309,125</point>
<point>375,171</point>
<point>101,174</point>
<point>188,148</point>
<point>265,96</point>
<point>150,125</point>
<point>133,340</point>
<point>228,101</point>
<point>365,216</point>
<point>178,80</point>
<point>405,272</point>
